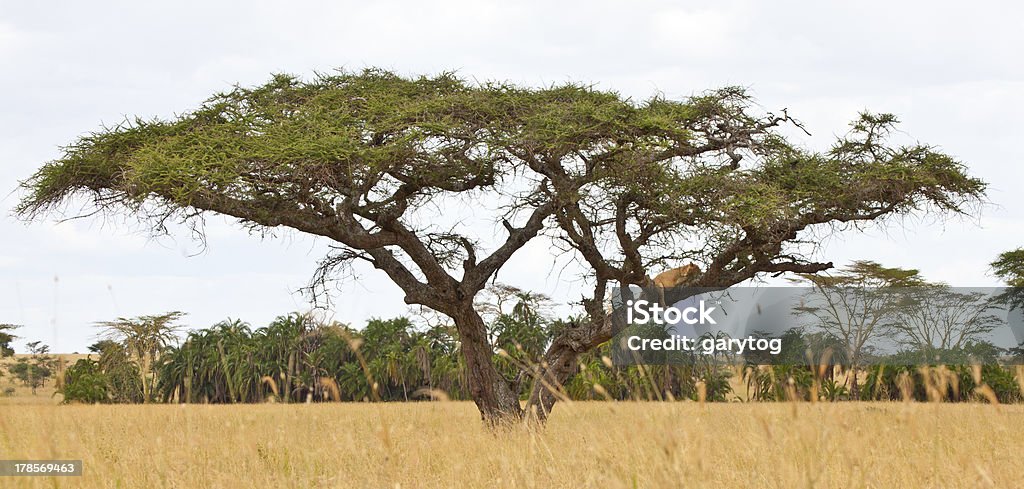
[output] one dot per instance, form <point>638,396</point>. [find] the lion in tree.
<point>675,277</point>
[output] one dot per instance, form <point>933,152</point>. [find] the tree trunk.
<point>405,391</point>
<point>561,359</point>
<point>854,365</point>
<point>492,394</point>
<point>855,388</point>
<point>560,363</point>
<point>145,376</point>
<point>287,389</point>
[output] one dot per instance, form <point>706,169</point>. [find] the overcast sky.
<point>946,70</point>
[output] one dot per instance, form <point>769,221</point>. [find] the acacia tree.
<point>6,338</point>
<point>1009,266</point>
<point>941,318</point>
<point>857,305</point>
<point>143,339</point>
<point>34,370</point>
<point>370,159</point>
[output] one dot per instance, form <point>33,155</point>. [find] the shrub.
<point>946,382</point>
<point>85,382</point>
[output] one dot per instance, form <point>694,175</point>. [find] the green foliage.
<point>286,152</point>
<point>783,382</point>
<point>599,378</point>
<point>1009,266</point>
<point>122,373</point>
<point>952,383</point>
<point>141,341</point>
<point>358,125</point>
<point>970,353</point>
<point>715,383</point>
<point>296,358</point>
<point>35,370</point>
<point>5,339</point>
<point>114,377</point>
<point>31,373</point>
<point>935,323</point>
<point>833,391</point>
<point>865,273</point>
<point>101,345</point>
<point>520,329</point>
<point>85,382</point>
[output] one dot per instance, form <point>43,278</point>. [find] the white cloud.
<point>8,38</point>
<point>7,261</point>
<point>80,236</point>
<point>698,32</point>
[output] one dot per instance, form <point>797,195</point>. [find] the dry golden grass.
<point>591,444</point>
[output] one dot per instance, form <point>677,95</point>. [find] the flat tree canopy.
<point>1009,266</point>
<point>627,187</point>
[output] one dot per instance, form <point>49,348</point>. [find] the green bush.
<point>882,383</point>
<point>85,382</point>
<point>784,382</point>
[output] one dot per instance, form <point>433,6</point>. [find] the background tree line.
<point>298,358</point>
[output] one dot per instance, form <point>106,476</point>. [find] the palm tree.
<point>281,349</point>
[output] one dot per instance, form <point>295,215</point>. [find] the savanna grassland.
<point>586,444</point>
